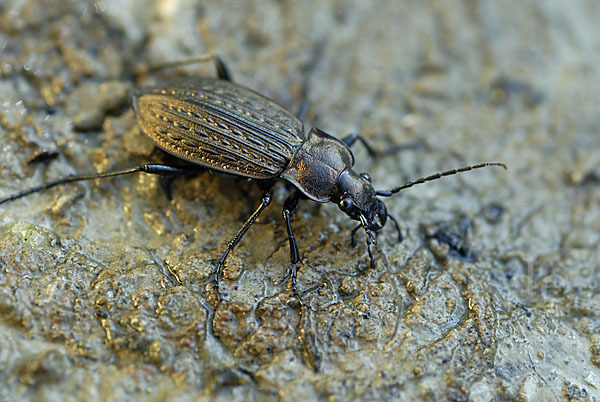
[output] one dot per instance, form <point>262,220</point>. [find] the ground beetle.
<point>220,125</point>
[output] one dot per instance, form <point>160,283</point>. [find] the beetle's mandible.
<point>217,124</point>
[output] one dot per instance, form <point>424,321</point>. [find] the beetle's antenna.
<point>388,193</point>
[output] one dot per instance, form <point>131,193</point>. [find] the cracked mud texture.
<point>105,287</point>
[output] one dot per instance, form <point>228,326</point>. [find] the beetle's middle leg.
<point>352,138</point>
<point>290,206</point>
<point>266,200</point>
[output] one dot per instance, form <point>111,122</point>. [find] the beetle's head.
<point>356,197</point>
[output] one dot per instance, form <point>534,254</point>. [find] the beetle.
<point>223,126</point>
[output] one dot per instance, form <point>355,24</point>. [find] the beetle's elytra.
<point>217,124</point>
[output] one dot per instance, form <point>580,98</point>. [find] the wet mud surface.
<point>105,286</point>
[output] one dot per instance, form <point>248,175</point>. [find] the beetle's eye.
<point>366,177</point>
<point>345,204</point>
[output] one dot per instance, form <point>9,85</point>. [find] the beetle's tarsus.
<point>371,258</point>
<point>217,273</point>
<point>295,286</point>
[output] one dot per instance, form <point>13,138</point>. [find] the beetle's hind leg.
<point>222,70</point>
<point>150,168</point>
<point>266,200</point>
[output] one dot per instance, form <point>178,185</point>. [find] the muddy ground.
<point>105,291</point>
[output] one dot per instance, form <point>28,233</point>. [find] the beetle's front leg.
<point>397,227</point>
<point>370,238</point>
<point>357,228</point>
